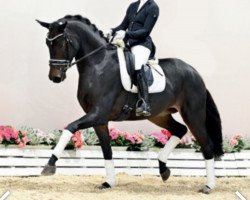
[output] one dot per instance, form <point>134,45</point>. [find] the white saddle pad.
<point>158,74</point>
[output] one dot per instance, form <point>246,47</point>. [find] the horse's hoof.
<point>104,186</point>
<point>205,190</point>
<point>48,170</point>
<point>165,175</point>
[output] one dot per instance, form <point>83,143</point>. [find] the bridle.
<point>64,64</point>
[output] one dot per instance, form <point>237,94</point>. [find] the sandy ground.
<point>128,188</point>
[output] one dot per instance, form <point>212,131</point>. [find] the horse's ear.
<point>44,24</point>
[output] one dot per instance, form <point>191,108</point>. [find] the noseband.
<point>64,64</point>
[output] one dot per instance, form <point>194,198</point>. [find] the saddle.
<point>155,76</point>
<point>130,65</point>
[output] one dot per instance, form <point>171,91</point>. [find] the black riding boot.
<point>142,106</point>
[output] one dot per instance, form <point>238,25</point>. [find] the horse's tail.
<point>213,125</point>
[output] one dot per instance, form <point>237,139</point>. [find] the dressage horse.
<point>102,96</point>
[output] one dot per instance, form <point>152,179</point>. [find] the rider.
<point>135,30</point>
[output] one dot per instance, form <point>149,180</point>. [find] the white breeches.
<point>141,54</point>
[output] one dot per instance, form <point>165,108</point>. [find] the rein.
<point>56,63</point>
<point>87,55</point>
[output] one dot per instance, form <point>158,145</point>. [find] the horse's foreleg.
<point>50,168</point>
<point>89,120</point>
<point>104,138</point>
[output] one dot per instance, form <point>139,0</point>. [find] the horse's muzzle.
<point>58,79</point>
<point>56,75</point>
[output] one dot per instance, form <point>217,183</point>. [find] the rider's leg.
<point>141,54</point>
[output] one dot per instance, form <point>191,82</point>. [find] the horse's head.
<point>62,49</point>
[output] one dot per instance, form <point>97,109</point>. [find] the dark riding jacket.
<point>138,25</point>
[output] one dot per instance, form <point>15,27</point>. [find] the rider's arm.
<point>148,25</point>
<point>124,24</point>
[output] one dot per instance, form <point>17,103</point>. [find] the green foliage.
<point>90,137</point>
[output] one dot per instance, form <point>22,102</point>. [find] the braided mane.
<point>85,21</point>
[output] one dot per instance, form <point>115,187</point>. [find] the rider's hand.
<point>120,34</point>
<point>107,33</point>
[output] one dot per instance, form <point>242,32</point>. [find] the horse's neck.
<point>89,41</point>
<point>91,75</point>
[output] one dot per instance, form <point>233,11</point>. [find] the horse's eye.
<point>61,44</point>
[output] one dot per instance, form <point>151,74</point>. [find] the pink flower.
<point>25,139</point>
<point>77,139</point>
<point>21,145</point>
<point>233,142</point>
<point>137,138</point>
<point>162,140</point>
<point>130,138</point>
<point>237,136</point>
<point>23,133</point>
<point>126,135</point>
<point>18,140</point>
<point>7,133</point>
<point>186,139</point>
<point>14,133</point>
<point>113,134</point>
<point>160,137</point>
<point>166,133</point>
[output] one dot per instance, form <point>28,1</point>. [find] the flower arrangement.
<point>76,141</point>
<point>137,141</point>
<point>134,141</point>
<point>38,137</point>
<point>118,138</point>
<point>90,137</point>
<point>187,141</point>
<point>9,135</point>
<point>160,138</point>
<point>234,144</point>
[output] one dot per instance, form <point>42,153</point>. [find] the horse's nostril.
<point>57,79</point>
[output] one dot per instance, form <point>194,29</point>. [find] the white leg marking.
<point>210,173</point>
<point>168,148</point>
<point>63,141</point>
<point>110,172</point>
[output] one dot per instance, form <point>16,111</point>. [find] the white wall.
<point>213,36</point>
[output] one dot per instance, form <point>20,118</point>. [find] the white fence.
<point>89,161</point>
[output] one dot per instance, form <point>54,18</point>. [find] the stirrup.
<point>143,110</point>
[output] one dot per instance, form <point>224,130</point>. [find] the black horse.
<point>102,96</point>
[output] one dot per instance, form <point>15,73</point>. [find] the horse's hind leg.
<point>194,116</point>
<point>104,138</point>
<point>177,130</point>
